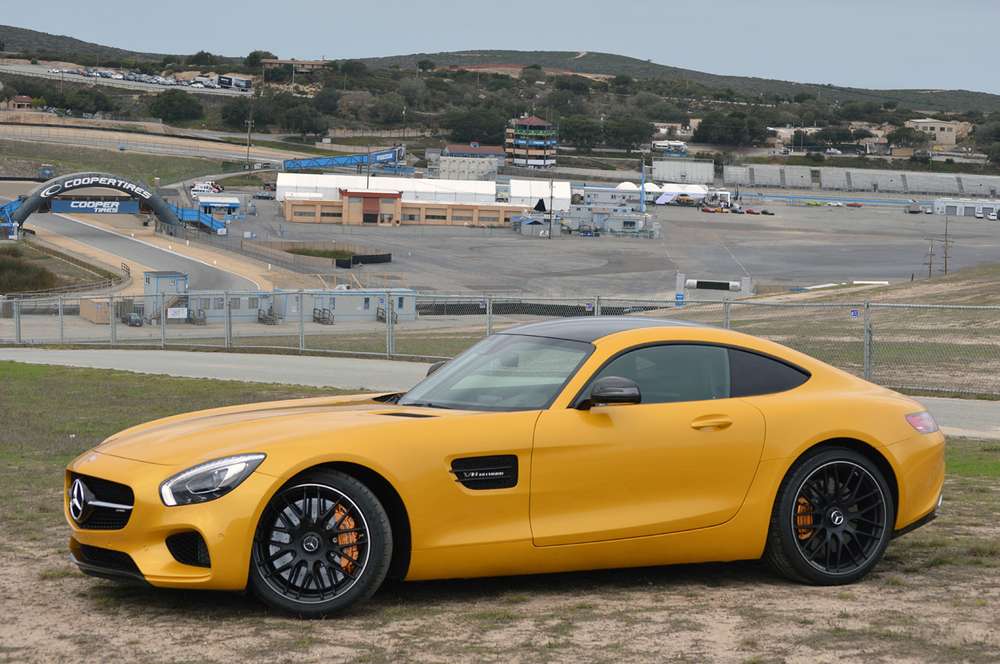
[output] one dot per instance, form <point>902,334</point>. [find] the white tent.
<point>697,191</point>
<point>527,192</point>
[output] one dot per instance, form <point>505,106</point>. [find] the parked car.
<point>767,213</point>
<point>566,445</point>
<point>264,195</point>
<point>132,319</point>
<point>750,211</point>
<point>992,216</point>
<point>979,214</point>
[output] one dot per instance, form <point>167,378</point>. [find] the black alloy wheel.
<point>833,519</point>
<point>322,543</point>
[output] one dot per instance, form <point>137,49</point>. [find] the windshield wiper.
<point>426,404</point>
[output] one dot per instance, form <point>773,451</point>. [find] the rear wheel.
<point>322,543</point>
<point>832,519</point>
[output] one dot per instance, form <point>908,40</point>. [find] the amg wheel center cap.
<point>310,543</point>
<point>836,517</point>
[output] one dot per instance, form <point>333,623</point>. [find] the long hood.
<point>184,440</point>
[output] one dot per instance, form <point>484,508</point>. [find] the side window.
<point>674,372</point>
<point>752,374</point>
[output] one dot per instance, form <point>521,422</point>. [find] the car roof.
<point>592,328</point>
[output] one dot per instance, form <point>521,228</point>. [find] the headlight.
<point>922,422</point>
<point>208,481</point>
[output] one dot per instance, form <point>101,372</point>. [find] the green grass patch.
<point>17,274</point>
<point>71,159</point>
<point>52,414</point>
<point>973,458</point>
<point>321,253</point>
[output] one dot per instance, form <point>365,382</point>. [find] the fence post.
<point>489,315</point>
<point>302,321</point>
<point>726,304</point>
<point>597,305</point>
<point>868,341</point>
<point>228,321</point>
<point>62,327</point>
<point>113,320</point>
<point>162,299</point>
<point>17,321</point>
<point>387,310</point>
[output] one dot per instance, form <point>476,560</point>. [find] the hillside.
<point>591,62</point>
<point>32,41</point>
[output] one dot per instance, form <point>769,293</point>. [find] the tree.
<point>485,125</point>
<point>565,102</point>
<point>578,85</point>
<point>354,69</point>
<point>532,74</point>
<point>622,84</point>
<point>413,91</point>
<point>993,152</point>
<point>803,97</point>
<point>174,105</point>
<point>907,137</point>
<point>426,65</point>
<point>580,131</point>
<point>304,119</point>
<point>203,58</point>
<point>253,59</point>
<point>628,133</point>
<point>833,134</point>
<point>389,109</point>
<point>327,100</point>
<point>236,112</point>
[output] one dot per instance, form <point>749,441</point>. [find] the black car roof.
<point>591,328</point>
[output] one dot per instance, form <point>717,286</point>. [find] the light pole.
<point>249,124</point>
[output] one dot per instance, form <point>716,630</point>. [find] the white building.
<point>556,194</point>
<point>966,207</point>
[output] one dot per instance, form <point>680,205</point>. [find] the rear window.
<point>752,374</point>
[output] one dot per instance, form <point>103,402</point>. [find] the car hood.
<point>191,438</point>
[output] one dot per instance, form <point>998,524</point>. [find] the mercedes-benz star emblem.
<point>78,500</point>
<point>310,543</point>
<point>837,517</point>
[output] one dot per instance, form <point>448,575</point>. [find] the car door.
<point>681,459</point>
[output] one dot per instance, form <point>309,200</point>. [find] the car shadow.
<point>460,592</point>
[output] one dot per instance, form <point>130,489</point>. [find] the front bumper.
<point>226,525</point>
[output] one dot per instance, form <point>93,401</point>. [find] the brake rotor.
<point>803,518</point>
<point>348,539</point>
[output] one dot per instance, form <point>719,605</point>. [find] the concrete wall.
<point>980,185</point>
<point>932,183</point>
<point>467,168</point>
<point>696,171</point>
<point>736,175</point>
<point>874,180</point>
<point>799,177</point>
<point>833,178</point>
<point>766,176</point>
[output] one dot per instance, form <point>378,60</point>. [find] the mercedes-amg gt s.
<point>566,445</point>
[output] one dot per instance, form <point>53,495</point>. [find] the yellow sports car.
<point>565,445</point>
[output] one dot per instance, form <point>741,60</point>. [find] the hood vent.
<point>406,414</point>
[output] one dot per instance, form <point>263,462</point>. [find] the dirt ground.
<point>934,598</point>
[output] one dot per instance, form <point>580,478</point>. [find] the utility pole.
<point>947,243</point>
<point>551,197</point>
<point>249,124</point>
<point>368,163</point>
<point>930,259</point>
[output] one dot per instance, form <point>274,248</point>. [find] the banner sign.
<point>96,207</point>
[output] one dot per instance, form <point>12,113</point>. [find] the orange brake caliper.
<point>346,539</point>
<point>803,518</point>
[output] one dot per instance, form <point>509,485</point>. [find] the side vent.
<point>486,472</point>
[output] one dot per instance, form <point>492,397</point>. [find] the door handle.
<point>711,423</point>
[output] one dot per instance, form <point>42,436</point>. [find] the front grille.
<point>189,548</point>
<point>100,517</point>
<point>108,559</point>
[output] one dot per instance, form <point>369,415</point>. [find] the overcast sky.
<point>868,43</point>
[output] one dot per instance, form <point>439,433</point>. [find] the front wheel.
<point>832,520</point>
<point>322,543</point>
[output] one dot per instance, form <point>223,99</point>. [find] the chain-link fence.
<point>934,348</point>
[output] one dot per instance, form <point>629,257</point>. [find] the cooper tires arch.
<point>45,192</point>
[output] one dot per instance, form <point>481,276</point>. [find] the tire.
<point>832,519</point>
<point>323,543</point>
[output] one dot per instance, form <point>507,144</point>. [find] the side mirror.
<point>434,367</point>
<point>611,390</point>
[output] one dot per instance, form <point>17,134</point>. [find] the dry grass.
<point>934,598</point>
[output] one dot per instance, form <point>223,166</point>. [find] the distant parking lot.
<point>148,83</point>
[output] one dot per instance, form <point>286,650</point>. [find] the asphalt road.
<point>202,276</point>
<point>957,417</point>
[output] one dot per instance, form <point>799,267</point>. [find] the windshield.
<point>502,372</point>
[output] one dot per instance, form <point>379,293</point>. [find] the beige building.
<point>944,133</point>
<point>387,208</point>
